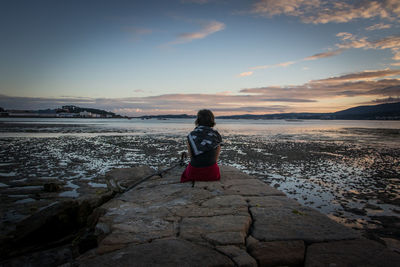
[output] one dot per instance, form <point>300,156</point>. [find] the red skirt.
<point>210,173</point>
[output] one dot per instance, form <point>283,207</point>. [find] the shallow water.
<point>349,170</point>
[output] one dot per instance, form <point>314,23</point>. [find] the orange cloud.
<point>289,63</point>
<point>325,11</point>
<point>325,55</point>
<point>378,26</point>
<point>362,76</point>
<point>285,64</point>
<point>207,29</point>
<point>352,41</point>
<point>244,74</point>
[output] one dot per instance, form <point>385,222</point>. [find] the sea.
<point>347,169</point>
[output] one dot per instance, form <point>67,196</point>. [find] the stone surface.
<point>239,256</point>
<point>272,201</point>
<point>54,209</point>
<point>226,238</point>
<point>197,228</point>
<point>280,222</point>
<point>51,257</point>
<point>121,178</point>
<point>164,222</point>
<point>351,253</point>
<point>225,201</point>
<point>250,241</point>
<point>253,190</point>
<point>278,253</point>
<point>163,252</point>
<point>200,211</point>
<point>392,244</point>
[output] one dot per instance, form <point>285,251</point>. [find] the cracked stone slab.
<point>177,219</point>
<point>226,238</point>
<point>278,253</point>
<point>167,195</point>
<point>240,181</point>
<point>170,177</point>
<point>214,187</point>
<point>196,228</point>
<point>162,252</point>
<point>361,252</point>
<point>253,190</point>
<point>225,201</point>
<point>286,223</point>
<point>139,230</point>
<point>121,178</point>
<point>272,201</point>
<point>239,256</point>
<point>199,211</point>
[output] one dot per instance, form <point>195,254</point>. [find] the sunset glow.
<point>173,57</point>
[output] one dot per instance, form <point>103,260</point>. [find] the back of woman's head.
<point>205,118</point>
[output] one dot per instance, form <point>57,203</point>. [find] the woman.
<point>204,145</point>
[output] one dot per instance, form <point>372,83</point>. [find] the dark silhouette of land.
<point>389,111</point>
<point>376,112</point>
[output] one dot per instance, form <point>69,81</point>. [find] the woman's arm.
<point>189,149</point>
<point>217,153</point>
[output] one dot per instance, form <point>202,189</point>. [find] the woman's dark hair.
<point>205,118</point>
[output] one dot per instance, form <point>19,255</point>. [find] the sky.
<point>178,56</point>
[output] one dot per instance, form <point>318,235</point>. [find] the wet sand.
<point>351,174</point>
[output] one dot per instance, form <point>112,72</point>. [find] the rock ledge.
<point>238,221</point>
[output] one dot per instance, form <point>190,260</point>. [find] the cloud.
<point>207,28</point>
<point>386,100</point>
<point>348,41</point>
<point>160,104</point>
<point>325,11</point>
<point>325,54</point>
<point>252,109</point>
<point>379,26</point>
<point>289,63</point>
<point>283,64</point>
<point>244,74</point>
<point>296,100</point>
<point>366,83</point>
<point>351,41</point>
<point>315,96</point>
<point>363,75</point>
<point>224,93</point>
<point>287,7</point>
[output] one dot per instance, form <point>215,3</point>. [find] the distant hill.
<point>75,109</point>
<point>391,110</point>
<point>279,116</point>
<point>64,112</point>
<point>375,112</point>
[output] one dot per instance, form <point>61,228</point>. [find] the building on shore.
<point>67,115</point>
